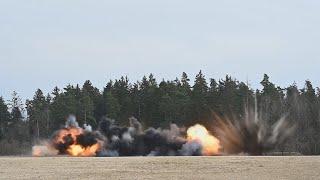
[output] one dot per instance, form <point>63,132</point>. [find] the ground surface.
<point>160,168</point>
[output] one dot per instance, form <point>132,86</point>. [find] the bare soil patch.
<point>229,167</point>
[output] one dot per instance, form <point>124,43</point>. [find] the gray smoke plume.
<point>87,127</point>
<point>192,148</point>
<point>72,122</point>
<point>250,135</point>
<point>133,141</point>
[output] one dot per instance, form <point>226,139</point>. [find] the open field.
<point>160,168</point>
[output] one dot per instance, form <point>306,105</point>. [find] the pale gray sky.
<point>44,43</point>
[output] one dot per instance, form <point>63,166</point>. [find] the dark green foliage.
<point>112,105</point>
<point>4,118</point>
<point>158,105</point>
<point>38,113</point>
<point>15,136</point>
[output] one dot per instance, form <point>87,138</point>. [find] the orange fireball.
<point>78,150</point>
<point>73,132</point>
<point>210,144</point>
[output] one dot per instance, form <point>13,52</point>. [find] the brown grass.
<point>160,168</point>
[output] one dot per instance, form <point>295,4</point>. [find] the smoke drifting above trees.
<point>160,104</point>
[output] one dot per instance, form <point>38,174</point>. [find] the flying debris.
<point>250,135</point>
<point>247,136</point>
<point>113,140</point>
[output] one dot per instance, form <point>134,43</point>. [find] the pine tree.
<point>184,100</point>
<point>16,108</point>
<point>270,101</point>
<point>112,106</point>
<point>95,98</point>
<point>213,96</point>
<point>150,101</point>
<point>200,108</point>
<point>121,91</point>
<point>4,118</point>
<point>159,105</point>
<point>86,110</point>
<point>64,104</point>
<point>136,100</point>
<point>17,127</point>
<point>38,115</point>
<point>185,81</point>
<point>311,116</point>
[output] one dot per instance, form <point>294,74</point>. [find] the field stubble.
<point>221,167</point>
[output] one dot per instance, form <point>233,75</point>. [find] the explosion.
<point>78,150</point>
<point>250,135</point>
<point>71,140</point>
<point>110,140</point>
<point>68,141</point>
<point>210,144</point>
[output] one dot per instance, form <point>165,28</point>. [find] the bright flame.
<point>210,144</point>
<point>78,150</point>
<point>73,132</point>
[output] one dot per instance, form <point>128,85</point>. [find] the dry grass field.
<point>160,168</point>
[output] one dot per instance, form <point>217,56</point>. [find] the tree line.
<point>158,104</point>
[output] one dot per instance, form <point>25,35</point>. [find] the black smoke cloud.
<point>248,136</point>
<point>133,141</point>
<point>115,140</point>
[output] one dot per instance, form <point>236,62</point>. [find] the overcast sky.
<point>52,43</point>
